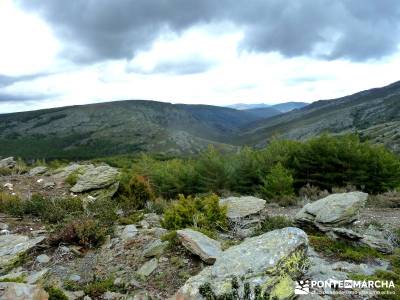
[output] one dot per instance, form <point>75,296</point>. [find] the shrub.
<point>86,232</point>
<point>136,193</point>
<point>204,212</point>
<point>278,183</point>
<point>342,250</point>
<point>53,210</point>
<point>386,200</point>
<point>11,204</point>
<point>55,293</point>
<point>72,178</point>
<point>312,193</point>
<point>274,222</point>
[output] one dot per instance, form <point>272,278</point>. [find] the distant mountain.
<point>281,107</point>
<point>288,106</point>
<point>374,114</point>
<point>264,112</point>
<point>119,127</point>
<point>173,129</point>
<point>243,106</point>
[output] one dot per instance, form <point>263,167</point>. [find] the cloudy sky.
<point>57,52</point>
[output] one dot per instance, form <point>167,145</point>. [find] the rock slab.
<point>21,291</point>
<point>96,178</point>
<point>200,244</point>
<point>333,210</point>
<point>261,260</point>
<point>240,207</point>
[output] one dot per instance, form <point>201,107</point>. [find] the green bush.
<point>278,183</point>
<point>87,232</point>
<point>55,293</point>
<point>53,210</point>
<point>72,178</point>
<point>11,204</point>
<point>135,193</point>
<point>273,222</point>
<point>203,212</point>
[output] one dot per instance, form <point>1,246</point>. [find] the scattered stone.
<point>129,232</point>
<point>9,186</point>
<point>148,268</point>
<point>8,162</point>
<point>333,210</point>
<point>200,244</point>
<point>74,278</point>
<point>152,219</point>
<point>119,282</point>
<point>144,224</point>
<point>38,171</point>
<point>142,295</point>
<point>3,226</point>
<point>112,296</point>
<point>13,245</point>
<point>96,178</point>
<point>49,185</point>
<point>36,276</point>
<point>240,207</point>
<point>155,248</point>
<point>21,291</point>
<point>43,259</point>
<point>260,260</point>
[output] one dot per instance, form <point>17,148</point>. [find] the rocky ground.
<point>136,262</point>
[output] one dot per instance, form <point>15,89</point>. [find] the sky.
<point>57,53</point>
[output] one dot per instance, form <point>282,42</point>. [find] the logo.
<point>302,287</point>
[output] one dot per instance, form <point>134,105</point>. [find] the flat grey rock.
<point>200,244</point>
<point>240,207</point>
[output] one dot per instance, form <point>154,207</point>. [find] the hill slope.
<point>118,127</point>
<point>374,113</point>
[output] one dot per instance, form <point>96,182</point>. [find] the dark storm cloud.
<point>188,65</point>
<point>9,80</point>
<point>18,97</point>
<point>103,29</point>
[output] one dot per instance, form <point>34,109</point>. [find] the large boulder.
<point>64,172</point>
<point>241,207</point>
<point>8,162</point>
<point>96,178</point>
<point>38,170</point>
<point>14,245</point>
<point>200,244</point>
<point>264,261</point>
<point>333,210</point>
<point>244,214</point>
<point>21,291</point>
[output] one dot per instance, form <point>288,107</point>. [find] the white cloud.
<point>234,75</point>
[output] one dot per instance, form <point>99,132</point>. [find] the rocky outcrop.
<point>8,162</point>
<point>64,172</point>
<point>200,244</point>
<point>333,210</point>
<point>155,248</point>
<point>38,171</point>
<point>243,214</point>
<point>21,291</point>
<point>334,216</point>
<point>14,245</point>
<point>262,261</point>
<point>241,207</point>
<point>96,178</point>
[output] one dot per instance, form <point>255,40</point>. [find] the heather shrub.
<point>203,212</point>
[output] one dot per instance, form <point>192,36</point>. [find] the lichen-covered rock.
<point>8,162</point>
<point>200,244</point>
<point>333,210</point>
<point>147,268</point>
<point>129,232</point>
<point>259,261</point>
<point>21,291</point>
<point>13,245</point>
<point>96,178</point>
<point>37,171</point>
<point>240,207</point>
<point>64,172</point>
<point>155,248</point>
